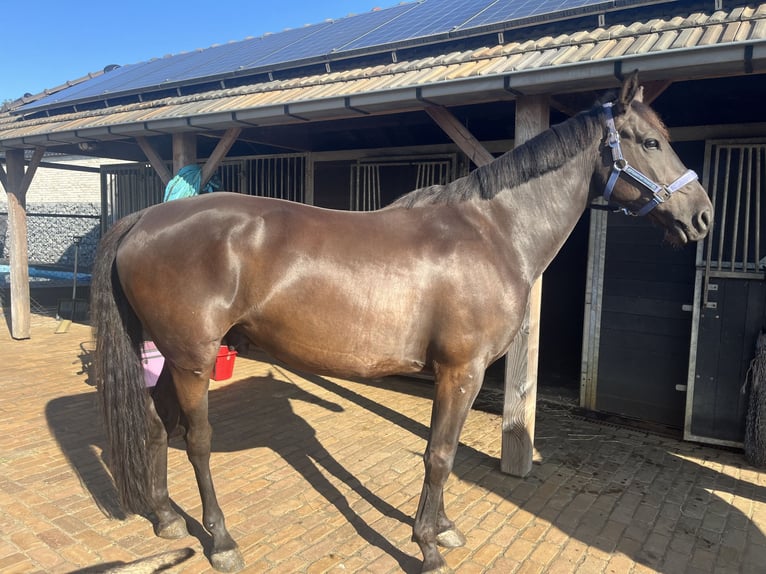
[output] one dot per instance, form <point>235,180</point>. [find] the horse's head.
<point>644,175</point>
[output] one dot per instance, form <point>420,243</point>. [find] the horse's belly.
<point>336,347</point>
<point>319,357</point>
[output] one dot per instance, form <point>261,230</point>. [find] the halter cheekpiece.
<point>621,167</point>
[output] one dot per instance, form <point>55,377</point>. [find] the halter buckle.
<point>664,194</point>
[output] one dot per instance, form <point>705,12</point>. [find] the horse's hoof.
<point>173,530</point>
<point>228,560</point>
<point>435,564</point>
<point>451,538</point>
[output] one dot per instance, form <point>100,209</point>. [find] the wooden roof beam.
<point>154,159</point>
<point>653,90</point>
<point>34,163</point>
<point>459,134</point>
<point>220,151</point>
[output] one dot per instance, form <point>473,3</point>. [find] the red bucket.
<point>224,363</point>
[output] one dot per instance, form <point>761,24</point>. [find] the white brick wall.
<point>58,191</point>
<point>64,186</point>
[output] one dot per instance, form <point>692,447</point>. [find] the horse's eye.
<point>651,144</point>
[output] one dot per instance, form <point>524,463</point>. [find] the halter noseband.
<point>621,167</point>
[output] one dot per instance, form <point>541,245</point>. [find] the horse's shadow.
<point>257,413</point>
<point>580,490</point>
<point>617,490</point>
<point>268,420</point>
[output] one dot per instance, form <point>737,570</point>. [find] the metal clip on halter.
<point>620,167</point>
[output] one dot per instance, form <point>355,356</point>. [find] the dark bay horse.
<point>437,282</point>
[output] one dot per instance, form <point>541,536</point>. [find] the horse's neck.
<point>536,217</point>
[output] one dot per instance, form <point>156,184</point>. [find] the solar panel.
<point>217,60</point>
<point>337,34</point>
<point>145,74</point>
<point>236,56</point>
<point>227,58</point>
<point>118,81</point>
<point>429,18</point>
<point>510,10</point>
<point>379,29</point>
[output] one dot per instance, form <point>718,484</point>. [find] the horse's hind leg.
<point>191,389</point>
<point>163,419</point>
<point>456,390</point>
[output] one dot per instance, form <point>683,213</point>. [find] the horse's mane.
<point>548,151</point>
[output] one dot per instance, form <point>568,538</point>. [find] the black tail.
<point>119,375</point>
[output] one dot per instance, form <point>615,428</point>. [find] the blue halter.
<point>621,167</point>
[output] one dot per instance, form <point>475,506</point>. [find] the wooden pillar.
<point>17,224</point>
<point>532,117</point>
<point>184,150</point>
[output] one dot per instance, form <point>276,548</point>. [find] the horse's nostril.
<point>704,219</point>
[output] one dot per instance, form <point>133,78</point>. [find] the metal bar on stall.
<point>748,196</point>
<point>758,166</point>
<point>737,209</point>
<point>713,185</point>
<point>725,197</point>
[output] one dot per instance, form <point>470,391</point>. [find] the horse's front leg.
<point>192,391</point>
<point>456,390</point>
<point>163,418</point>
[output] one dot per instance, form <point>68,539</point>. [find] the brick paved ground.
<point>322,475</point>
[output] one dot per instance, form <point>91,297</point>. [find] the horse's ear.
<point>631,90</point>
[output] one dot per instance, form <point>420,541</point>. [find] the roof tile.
<point>711,36</point>
<point>758,30</point>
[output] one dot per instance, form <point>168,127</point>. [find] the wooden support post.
<point>220,151</point>
<point>459,134</point>
<point>521,391</point>
<point>532,117</point>
<point>16,191</point>
<point>154,159</point>
<point>594,290</point>
<point>184,150</point>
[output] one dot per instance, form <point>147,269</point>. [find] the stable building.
<point>352,113</point>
